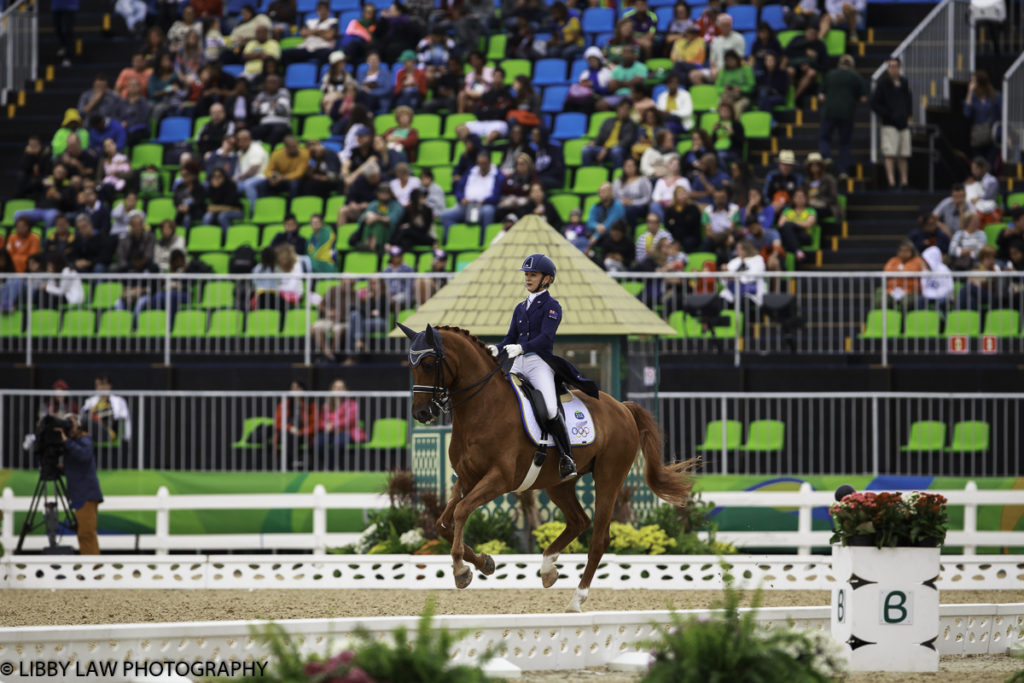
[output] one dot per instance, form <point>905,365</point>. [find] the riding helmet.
<point>539,263</point>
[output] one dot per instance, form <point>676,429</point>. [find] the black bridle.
<point>428,344</point>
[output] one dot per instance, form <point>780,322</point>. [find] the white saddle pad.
<point>577,418</point>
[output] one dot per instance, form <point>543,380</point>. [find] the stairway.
<point>41,106</point>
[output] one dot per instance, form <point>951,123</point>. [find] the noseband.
<point>440,395</point>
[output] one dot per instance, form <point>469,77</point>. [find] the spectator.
<point>135,113</point>
<point>767,241</point>
<point>433,195</point>
<point>622,38</point>
<point>177,34</point>
<point>165,90</point>
<point>328,331</point>
<point>539,205</point>
<point>707,178</point>
<point>605,212</point>
<point>518,144</point>
<point>902,291</point>
<point>102,129</point>
<point>99,100</point>
<point>841,90</point>
<point>319,36</point>
<point>683,220</point>
<point>613,140</point>
<point>339,425</point>
<point>169,241</point>
<point>257,50</point>
<point>286,289</point>
<point>492,109</point>
<point>983,109</point>
<point>379,220</point>
<point>656,159</point>
<point>772,84</point>
<point>633,191</point>
<point>91,251</point>
<point>628,73</point>
<point>374,87</point>
<point>765,44</point>
<point>369,315</point>
<point>592,85</point>
<point>822,188</point>
<point>726,40</point>
<point>416,226</point>
<point>647,242</point>
<point>252,165</point>
<point>728,127</point>
<point>290,235</point>
<point>784,178</point>
<point>323,175</point>
<point>138,240</point>
<point>138,71</point>
<point>78,160</point>
<point>750,285</point>
<point>567,41</point>
<point>64,12</point>
<point>426,287</point>
<point>928,234</point>
<point>410,82</point>
<point>245,29</point>
<point>892,102</point>
<point>950,211</point>
<point>477,195</point>
<point>645,26</point>
<point>22,243</point>
<point>212,135</point>
<point>1011,233</point>
<point>17,290</point>
<point>190,196</point>
<point>295,425</point>
<point>806,58</point>
<point>979,292</point>
<point>526,103</point>
<point>97,210</point>
<point>700,144</point>
<point>681,20</point>
<point>334,85</point>
<point>359,34</point>
<point>735,82</point>
<point>359,156</point>
<point>321,250</point>
<point>287,167</point>
<point>57,197</point>
<point>445,89</point>
<point>83,487</point>
<point>71,125</point>
<point>403,138</point>
<point>688,54</point>
<point>272,108</point>
<point>188,62</point>
<point>361,192</point>
<point>720,219</point>
<point>549,163</point>
<point>967,243</point>
<point>848,13</point>
<point>515,187</point>
<point>433,53</point>
<point>166,294</point>
<point>795,225</point>
<point>1013,294</point>
<point>121,216</point>
<point>614,248</point>
<point>399,289</point>
<point>756,208</point>
<point>223,205</point>
<point>676,104</point>
<point>105,416</point>
<point>478,82</point>
<point>983,191</point>
<point>115,169</point>
<point>575,230</point>
<point>59,241</point>
<point>937,288</point>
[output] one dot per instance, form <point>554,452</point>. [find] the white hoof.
<point>548,571</point>
<point>578,598</point>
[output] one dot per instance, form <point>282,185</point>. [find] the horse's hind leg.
<point>446,530</point>
<point>576,522</point>
<point>485,490</point>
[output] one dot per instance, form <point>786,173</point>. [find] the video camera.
<point>49,445</point>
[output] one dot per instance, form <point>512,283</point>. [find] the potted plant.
<point>889,520</point>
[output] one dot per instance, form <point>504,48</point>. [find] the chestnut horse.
<point>491,453</point>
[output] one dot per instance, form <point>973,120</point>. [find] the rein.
<point>441,397</point>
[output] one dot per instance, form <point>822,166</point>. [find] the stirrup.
<point>567,468</point>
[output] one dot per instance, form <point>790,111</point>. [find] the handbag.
<point>524,118</point>
<point>579,93</point>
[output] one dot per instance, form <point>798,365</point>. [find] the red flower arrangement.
<point>889,519</point>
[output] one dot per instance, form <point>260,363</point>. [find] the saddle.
<point>537,399</point>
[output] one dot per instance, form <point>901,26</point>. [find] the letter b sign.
<point>897,608</point>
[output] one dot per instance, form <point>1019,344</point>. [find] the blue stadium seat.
<point>598,20</point>
<point>665,15</point>
<point>749,37</point>
<point>569,125</point>
<point>661,3</point>
<point>345,17</point>
<point>174,129</point>
<point>344,6</point>
<point>233,69</point>
<point>744,17</point>
<point>301,75</point>
<point>554,99</point>
<point>773,15</point>
<point>578,67</point>
<point>380,4</point>
<point>602,39</point>
<point>305,6</point>
<point>549,72</point>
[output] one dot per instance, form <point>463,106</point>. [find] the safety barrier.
<point>19,47</point>
<point>1013,104</point>
<point>940,49</point>
<point>320,502</point>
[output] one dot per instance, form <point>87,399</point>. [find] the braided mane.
<point>469,336</point>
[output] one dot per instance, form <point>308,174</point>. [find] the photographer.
<point>83,485</point>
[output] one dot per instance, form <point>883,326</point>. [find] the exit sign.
<point>958,344</point>
<point>989,344</point>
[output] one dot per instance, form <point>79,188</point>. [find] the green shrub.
<point>496,525</point>
<point>546,533</point>
<point>647,540</point>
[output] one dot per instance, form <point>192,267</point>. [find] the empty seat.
<point>569,125</point>
<point>922,325</point>
<point>549,72</point>
<point>970,436</point>
<point>263,323</point>
<point>190,324</point>
<point>873,327</point>
<point>926,435</point>
<point>719,433</point>
<point>1002,322</point>
<point>301,76</point>
<point>765,435</point>
<point>174,129</point>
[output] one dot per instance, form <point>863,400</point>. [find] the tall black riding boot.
<point>558,432</point>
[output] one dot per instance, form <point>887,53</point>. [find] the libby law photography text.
<point>47,669</point>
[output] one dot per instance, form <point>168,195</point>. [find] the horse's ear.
<point>431,336</point>
<point>408,332</point>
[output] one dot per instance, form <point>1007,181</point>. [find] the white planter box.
<point>885,607</point>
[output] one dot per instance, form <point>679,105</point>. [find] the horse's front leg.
<point>446,530</point>
<point>488,488</point>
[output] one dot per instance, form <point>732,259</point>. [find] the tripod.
<point>50,506</point>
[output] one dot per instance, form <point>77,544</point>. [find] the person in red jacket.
<point>296,419</point>
<point>410,83</point>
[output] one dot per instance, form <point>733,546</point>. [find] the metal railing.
<point>1013,106</point>
<point>805,313</point>
<point>940,49</point>
<point>220,430</point>
<point>19,47</point>
<point>913,434</point>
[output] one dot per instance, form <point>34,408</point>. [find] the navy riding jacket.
<point>80,471</point>
<point>534,328</point>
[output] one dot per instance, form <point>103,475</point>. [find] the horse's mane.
<point>472,338</point>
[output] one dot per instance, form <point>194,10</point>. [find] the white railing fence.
<point>940,49</point>
<point>164,319</point>
<point>223,430</point>
<point>1013,104</point>
<point>805,500</point>
<point>910,434</point>
<point>19,41</point>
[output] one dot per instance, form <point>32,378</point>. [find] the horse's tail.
<point>671,483</point>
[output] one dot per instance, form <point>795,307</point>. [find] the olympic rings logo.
<point>581,431</point>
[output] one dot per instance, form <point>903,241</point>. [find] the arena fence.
<point>19,48</point>
<point>163,319</point>
<point>1013,104</point>
<point>940,49</point>
<point>805,501</point>
<point>931,434</point>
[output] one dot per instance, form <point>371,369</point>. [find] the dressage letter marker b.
<point>897,607</point>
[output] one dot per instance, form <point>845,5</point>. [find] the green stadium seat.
<point>434,153</point>
<point>44,323</point>
<point>589,179</point>
<point>733,329</point>
<point>427,125</point>
<point>218,294</point>
<point>922,324</point>
<point>115,324</point>
<point>464,259</point>
<point>452,122</point>
<point>316,127</point>
<point>152,323</point>
<point>572,150</point>
<point>304,208</point>
<point>384,122</point>
<point>596,119</point>
<point>322,286</point>
<point>1002,322</point>
<point>873,327</point>
<point>765,436</point>
<point>269,210</point>
<point>344,232</point>
<point>242,234</point>
<point>634,287</point>
<point>225,323</point>
<point>147,154</point>
<point>249,428</point>
<point>733,431</point>
<point>967,323</point>
<point>757,124</point>
<point>970,436</point>
<point>695,261</point>
<point>708,121</point>
<point>218,261</point>
<point>205,238</point>
<point>291,42</point>
<point>197,126</point>
<point>835,43</point>
<point>388,432</point>
<point>677,320</point>
<point>1012,200</point>
<point>77,323</point>
<point>190,324</point>
<point>361,262</point>
<point>564,204</point>
<point>295,323</point>
<point>785,37</point>
<point>490,232</point>
<point>334,204</point>
<point>462,236</point>
<point>12,324</point>
<point>106,294</point>
<point>269,233</point>
<point>306,102</point>
<point>497,44</point>
<point>992,231</point>
<point>443,177</point>
<point>705,97</point>
<point>517,67</point>
<point>926,435</point>
<point>263,323</point>
<point>12,206</point>
<point>160,209</point>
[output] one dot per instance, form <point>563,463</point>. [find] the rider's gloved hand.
<point>513,350</point>
<point>493,349</point>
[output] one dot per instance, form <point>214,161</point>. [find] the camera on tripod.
<point>49,445</point>
<point>50,499</point>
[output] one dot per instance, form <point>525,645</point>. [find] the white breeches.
<point>541,376</point>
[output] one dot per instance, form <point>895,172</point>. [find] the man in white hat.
<point>784,178</point>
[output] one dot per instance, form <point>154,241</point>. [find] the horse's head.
<point>426,358</point>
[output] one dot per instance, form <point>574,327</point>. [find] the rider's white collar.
<point>532,296</point>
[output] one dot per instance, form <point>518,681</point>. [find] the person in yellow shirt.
<point>689,52</point>
<point>567,40</point>
<point>258,49</point>
<point>286,168</point>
